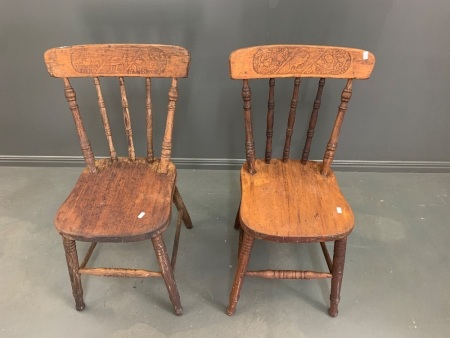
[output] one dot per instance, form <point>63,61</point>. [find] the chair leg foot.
<point>75,278</point>
<point>167,273</point>
<point>244,256</point>
<point>182,207</point>
<point>338,272</point>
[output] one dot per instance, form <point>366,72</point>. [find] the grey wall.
<point>400,114</point>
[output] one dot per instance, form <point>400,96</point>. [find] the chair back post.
<point>334,137</point>
<point>249,142</point>
<point>270,113</point>
<point>84,141</point>
<point>313,121</point>
<point>149,120</point>
<point>291,120</point>
<point>167,141</point>
<point>102,107</point>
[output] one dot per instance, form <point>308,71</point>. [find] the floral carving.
<point>288,60</point>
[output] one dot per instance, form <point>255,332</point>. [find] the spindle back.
<point>121,60</point>
<point>297,61</point>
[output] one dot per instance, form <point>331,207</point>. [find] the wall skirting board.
<point>218,163</point>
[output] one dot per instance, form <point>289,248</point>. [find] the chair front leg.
<point>182,208</point>
<point>167,273</point>
<point>338,272</point>
<point>70,249</point>
<point>244,256</point>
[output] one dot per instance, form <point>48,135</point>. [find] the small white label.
<point>142,214</point>
<point>339,210</point>
<point>365,55</point>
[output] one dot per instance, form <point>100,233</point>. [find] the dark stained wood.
<point>270,112</point>
<point>101,105</point>
<point>84,141</point>
<point>294,200</point>
<point>249,143</point>
<point>313,121</point>
<point>75,278</point>
<point>121,199</point>
<point>291,120</point>
<point>119,192</point>
<point>338,272</point>
<point>332,143</point>
<point>245,250</point>
<point>277,61</point>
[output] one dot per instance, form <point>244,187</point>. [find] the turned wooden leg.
<point>237,221</point>
<point>181,207</point>
<point>167,273</point>
<point>241,236</point>
<point>338,271</point>
<point>75,278</point>
<point>244,256</point>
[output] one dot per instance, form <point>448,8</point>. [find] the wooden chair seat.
<point>104,206</point>
<point>292,202</point>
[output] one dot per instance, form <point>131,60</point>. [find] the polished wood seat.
<point>96,209</point>
<point>122,198</point>
<point>294,200</point>
<point>291,204</point>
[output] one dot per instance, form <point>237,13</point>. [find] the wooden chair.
<point>294,200</point>
<point>121,199</point>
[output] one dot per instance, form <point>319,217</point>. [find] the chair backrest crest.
<point>121,60</point>
<point>297,61</point>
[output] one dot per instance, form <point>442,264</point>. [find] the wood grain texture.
<point>292,202</point>
<point>340,247</point>
<point>288,274</point>
<point>313,121</point>
<point>291,120</point>
<point>105,120</point>
<point>104,207</point>
<point>118,60</point>
<point>127,120</point>
<point>334,137</point>
<point>166,151</point>
<point>85,144</point>
<point>300,61</point>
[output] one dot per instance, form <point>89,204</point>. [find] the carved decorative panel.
<point>287,60</point>
<point>128,61</point>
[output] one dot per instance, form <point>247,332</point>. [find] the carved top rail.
<point>118,60</point>
<point>300,61</point>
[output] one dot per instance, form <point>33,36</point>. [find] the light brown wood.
<point>300,61</point>
<point>292,202</point>
<point>166,151</point>
<point>117,272</point>
<point>118,60</point>
<point>101,104</point>
<point>288,200</point>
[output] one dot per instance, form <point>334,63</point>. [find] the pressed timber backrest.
<point>121,61</point>
<point>297,61</point>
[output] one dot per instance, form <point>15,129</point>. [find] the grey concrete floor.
<point>396,281</point>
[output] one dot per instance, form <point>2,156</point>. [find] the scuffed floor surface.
<point>396,280</point>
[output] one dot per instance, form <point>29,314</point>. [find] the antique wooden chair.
<point>294,200</point>
<point>121,199</point>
